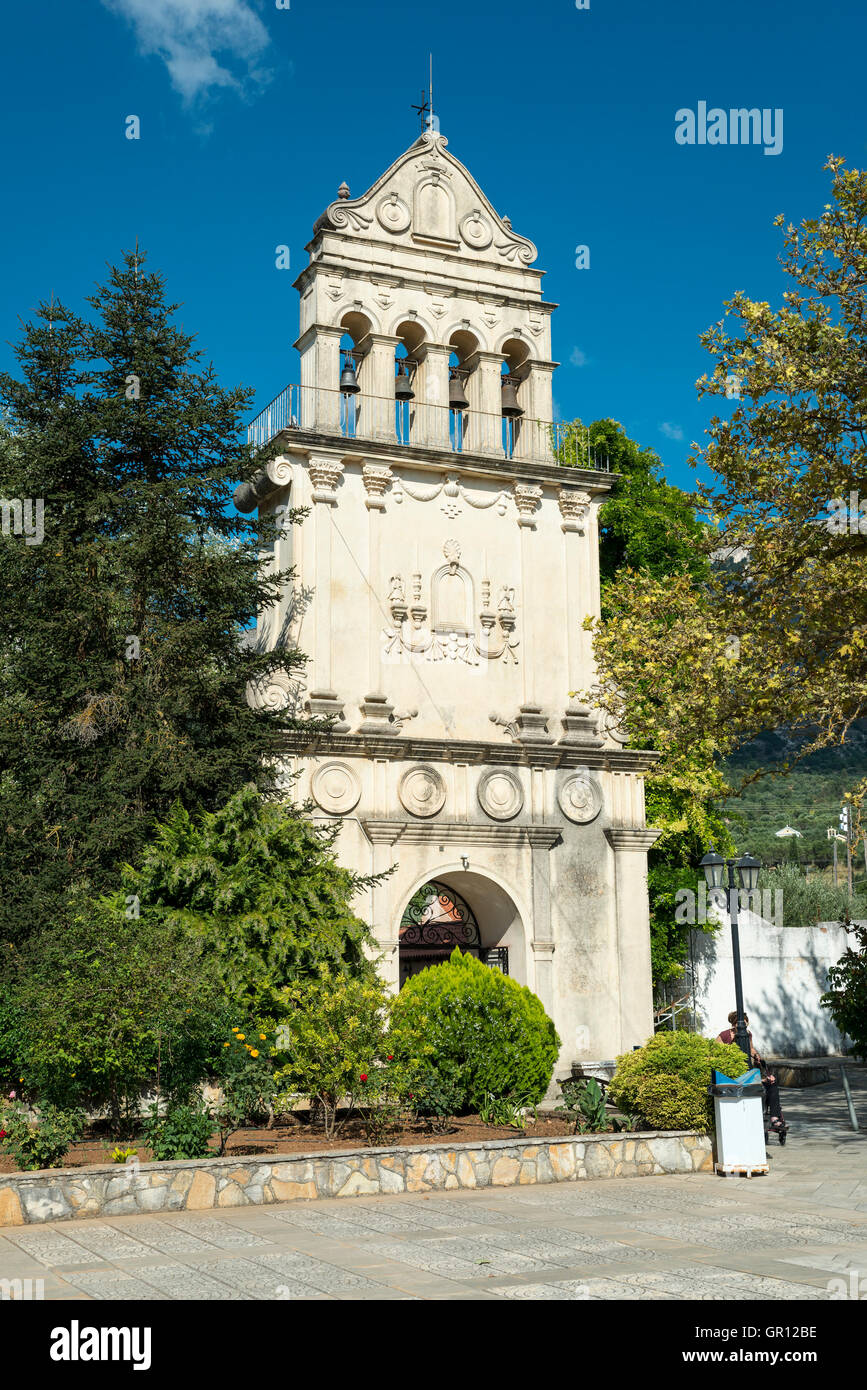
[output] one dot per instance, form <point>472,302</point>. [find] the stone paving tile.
<point>488,1258</point>
<point>109,1242</point>
<point>328,1278</point>
<point>220,1233</point>
<point>258,1280</point>
<point>422,1256</point>
<point>50,1246</point>
<point>159,1235</point>
<point>114,1284</point>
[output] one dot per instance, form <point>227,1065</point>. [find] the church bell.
<point>348,380</point>
<point>511,409</point>
<point>457,395</point>
<point>402,383</point>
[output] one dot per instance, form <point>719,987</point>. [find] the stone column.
<point>633,933</point>
<point>484,388</point>
<point>541,838</point>
<point>319,406</point>
<point>430,413</point>
<point>375,708</point>
<point>383,919</point>
<point>579,724</point>
<point>325,474</point>
<point>535,395</point>
<point>376,379</point>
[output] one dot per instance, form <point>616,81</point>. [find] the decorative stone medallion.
<point>422,791</point>
<point>335,788</point>
<point>500,795</point>
<point>476,230</point>
<point>392,213</point>
<point>580,799</point>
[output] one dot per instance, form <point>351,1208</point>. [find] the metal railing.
<point>418,424</point>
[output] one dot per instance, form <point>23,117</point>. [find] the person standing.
<point>769,1081</point>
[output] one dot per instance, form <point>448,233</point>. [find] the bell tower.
<point>443,574</point>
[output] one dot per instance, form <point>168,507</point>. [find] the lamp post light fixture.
<point>715,866</point>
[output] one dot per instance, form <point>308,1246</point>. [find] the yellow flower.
<point>240,1037</point>
<point>227,1044</point>
<point>254,1053</point>
<point>262,1036</point>
<point>234,1030</point>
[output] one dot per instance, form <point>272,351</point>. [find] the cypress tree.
<point>124,659</point>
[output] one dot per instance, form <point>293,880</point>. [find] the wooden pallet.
<point>736,1170</point>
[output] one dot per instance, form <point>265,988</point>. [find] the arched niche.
<point>452,600</point>
<point>434,217</point>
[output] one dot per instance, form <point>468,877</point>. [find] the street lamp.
<point>714,866</point>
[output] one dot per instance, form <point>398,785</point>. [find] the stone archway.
<point>467,910</point>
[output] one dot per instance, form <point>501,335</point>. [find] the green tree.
<point>103,1004</point>
<point>846,1000</point>
<point>651,536</point>
<point>123,659</point>
<point>776,634</point>
<point>257,882</point>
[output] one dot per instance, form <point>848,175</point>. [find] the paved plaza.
<point>783,1236</point>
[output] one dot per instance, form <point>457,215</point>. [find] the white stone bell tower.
<point>443,573</point>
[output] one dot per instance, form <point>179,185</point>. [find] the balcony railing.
<point>321,410</point>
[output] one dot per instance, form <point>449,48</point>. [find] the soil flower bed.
<point>295,1135</point>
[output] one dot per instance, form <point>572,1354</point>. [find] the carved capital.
<point>325,475</point>
<point>624,840</point>
<point>574,508</point>
<point>527,498</point>
<point>377,478</point>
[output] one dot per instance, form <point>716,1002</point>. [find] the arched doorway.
<point>437,919</point>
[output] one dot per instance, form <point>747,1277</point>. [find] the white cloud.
<point>188,35</point>
<point>671,431</point>
<point>578,358</point>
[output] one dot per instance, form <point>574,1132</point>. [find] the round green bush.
<point>490,1035</point>
<point>684,1061</point>
<point>669,1102</point>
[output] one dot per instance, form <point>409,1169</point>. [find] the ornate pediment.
<point>428,199</point>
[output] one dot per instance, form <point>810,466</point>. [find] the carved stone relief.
<point>580,798</point>
<point>422,791</point>
<point>445,624</point>
<point>500,795</point>
<point>336,788</point>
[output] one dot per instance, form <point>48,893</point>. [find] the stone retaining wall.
<point>62,1194</point>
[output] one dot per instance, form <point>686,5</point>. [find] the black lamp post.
<point>748,876</point>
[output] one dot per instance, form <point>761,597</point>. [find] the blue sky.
<point>251,115</point>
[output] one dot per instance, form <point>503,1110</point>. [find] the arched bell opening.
<point>466,910</point>
<point>462,386</point>
<point>356,328</point>
<point>411,337</point>
<point>515,370</point>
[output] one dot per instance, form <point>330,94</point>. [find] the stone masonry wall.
<point>62,1194</point>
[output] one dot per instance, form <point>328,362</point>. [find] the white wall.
<point>784,970</point>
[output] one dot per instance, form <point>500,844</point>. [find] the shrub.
<point>685,1061</point>
<point>108,1005</point>
<point>183,1131</point>
<point>846,1000</point>
<point>584,1101</point>
<point>41,1142</point>
<point>336,1039</point>
<point>246,1079</point>
<point>670,1102</point>
<point>436,1098</point>
<point>487,1034</point>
